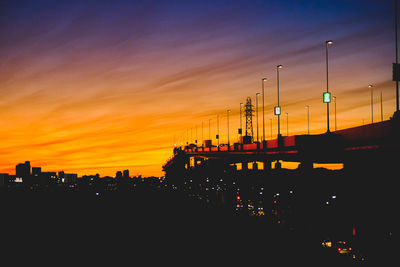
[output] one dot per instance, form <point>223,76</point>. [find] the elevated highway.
<point>378,142</point>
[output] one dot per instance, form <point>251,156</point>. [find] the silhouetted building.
<point>69,178</point>
<point>36,171</point>
<point>126,173</point>
<point>109,183</point>
<point>23,170</point>
<point>4,179</point>
<point>118,175</point>
<point>49,175</point>
<point>46,178</point>
<point>61,175</point>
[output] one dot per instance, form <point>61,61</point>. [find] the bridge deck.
<point>323,148</point>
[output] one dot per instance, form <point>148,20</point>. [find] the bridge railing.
<point>287,141</point>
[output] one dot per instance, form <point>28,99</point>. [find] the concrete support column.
<point>306,165</point>
<point>278,165</point>
<point>234,167</point>
<point>267,165</point>
<point>255,166</point>
<point>244,166</point>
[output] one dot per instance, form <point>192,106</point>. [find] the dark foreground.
<point>148,226</point>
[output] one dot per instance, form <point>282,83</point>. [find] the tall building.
<point>126,173</point>
<point>118,174</point>
<point>23,170</point>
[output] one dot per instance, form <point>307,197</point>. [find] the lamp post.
<point>327,43</point>
<point>397,55</point>
<point>217,136</point>
<point>287,124</point>
<point>308,119</point>
<point>381,108</point>
<point>372,103</point>
<point>240,129</point>
<point>227,116</point>
<point>271,127</point>
<point>334,99</point>
<point>202,133</point>
<point>209,129</point>
<point>262,81</point>
<point>257,94</point>
<point>279,114</point>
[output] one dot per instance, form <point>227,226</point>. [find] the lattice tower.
<point>248,111</point>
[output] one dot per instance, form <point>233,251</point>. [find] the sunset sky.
<point>100,86</point>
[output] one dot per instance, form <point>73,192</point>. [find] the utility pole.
<point>372,104</point>
<point>218,130</point>
<point>240,129</point>
<point>397,57</point>
<point>327,43</point>
<point>202,133</point>
<point>209,129</point>
<point>277,86</point>
<point>257,94</point>
<point>287,124</point>
<point>271,127</point>
<point>308,120</point>
<point>227,115</point>
<point>381,108</point>
<point>262,81</point>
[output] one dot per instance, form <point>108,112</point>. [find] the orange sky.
<point>93,90</point>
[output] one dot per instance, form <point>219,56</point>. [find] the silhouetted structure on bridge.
<point>371,145</point>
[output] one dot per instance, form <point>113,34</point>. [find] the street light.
<point>257,94</point>
<point>327,95</point>
<point>209,129</point>
<point>202,133</point>
<point>334,99</point>
<point>240,129</point>
<point>381,108</point>
<point>262,81</point>
<point>287,124</point>
<point>308,119</point>
<point>372,103</point>
<point>217,136</point>
<point>396,65</point>
<point>227,115</point>
<point>271,127</point>
<point>278,67</point>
